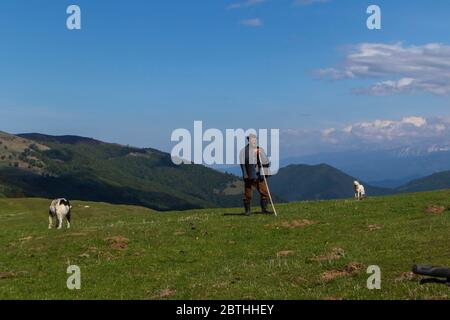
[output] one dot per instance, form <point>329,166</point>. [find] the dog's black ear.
<point>64,202</point>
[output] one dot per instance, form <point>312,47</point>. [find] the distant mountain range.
<point>322,182</point>
<point>384,168</point>
<point>86,169</point>
<point>36,165</point>
<point>436,181</point>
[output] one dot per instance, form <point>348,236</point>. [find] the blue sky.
<point>139,69</point>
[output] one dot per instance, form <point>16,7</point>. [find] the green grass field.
<point>313,250</point>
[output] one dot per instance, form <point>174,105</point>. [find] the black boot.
<point>264,204</point>
<point>248,210</point>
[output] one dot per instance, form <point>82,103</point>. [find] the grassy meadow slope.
<point>313,250</point>
<point>36,165</point>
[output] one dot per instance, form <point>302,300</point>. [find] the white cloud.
<point>413,131</point>
<point>408,130</point>
<point>418,122</point>
<point>245,4</point>
<point>252,22</point>
<point>402,69</point>
<point>328,131</point>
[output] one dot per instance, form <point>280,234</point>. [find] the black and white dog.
<point>59,209</point>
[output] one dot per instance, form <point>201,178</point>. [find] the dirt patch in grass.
<point>166,293</point>
<point>335,254</point>
<point>354,267</point>
<point>348,270</point>
<point>118,242</point>
<point>331,275</point>
<point>373,227</point>
<point>435,209</point>
<point>285,253</point>
<point>408,276</point>
<point>297,224</point>
<point>7,275</point>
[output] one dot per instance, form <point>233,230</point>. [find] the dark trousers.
<point>258,185</point>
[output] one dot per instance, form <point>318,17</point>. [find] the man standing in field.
<point>253,162</point>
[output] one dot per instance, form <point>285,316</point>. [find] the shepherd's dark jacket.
<point>251,165</point>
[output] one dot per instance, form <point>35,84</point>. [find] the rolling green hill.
<point>36,165</point>
<point>313,250</point>
<point>304,182</point>
<point>437,181</point>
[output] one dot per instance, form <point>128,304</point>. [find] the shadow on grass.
<point>435,280</point>
<point>243,214</point>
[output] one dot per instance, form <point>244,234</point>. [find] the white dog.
<point>360,192</point>
<point>59,209</point>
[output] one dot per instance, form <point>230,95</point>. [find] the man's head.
<point>252,140</point>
